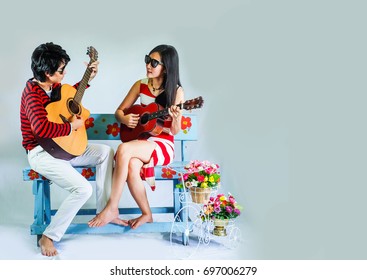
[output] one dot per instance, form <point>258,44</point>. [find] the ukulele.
<point>62,111</point>
<point>151,120</point>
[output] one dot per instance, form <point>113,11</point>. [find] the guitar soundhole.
<point>144,119</point>
<point>74,107</point>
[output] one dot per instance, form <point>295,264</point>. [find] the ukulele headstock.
<point>195,103</point>
<point>93,54</point>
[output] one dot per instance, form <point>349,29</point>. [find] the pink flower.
<point>224,208</point>
<point>203,174</point>
<point>229,209</point>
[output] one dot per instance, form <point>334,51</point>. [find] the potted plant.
<point>201,178</point>
<point>221,209</point>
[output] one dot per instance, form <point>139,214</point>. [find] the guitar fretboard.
<point>82,85</point>
<point>158,114</point>
<point>188,105</point>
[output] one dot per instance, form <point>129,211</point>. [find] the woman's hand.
<point>175,112</point>
<point>131,120</point>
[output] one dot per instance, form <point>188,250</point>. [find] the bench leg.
<point>42,207</point>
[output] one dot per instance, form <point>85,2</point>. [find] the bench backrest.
<point>105,127</point>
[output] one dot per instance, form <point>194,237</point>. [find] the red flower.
<point>201,178</point>
<point>113,129</point>
<point>87,173</point>
<point>168,173</point>
<point>33,175</point>
<point>185,122</point>
<point>89,123</point>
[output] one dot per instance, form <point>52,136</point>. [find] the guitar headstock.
<point>93,54</point>
<point>193,103</point>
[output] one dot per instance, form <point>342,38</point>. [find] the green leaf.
<point>179,186</point>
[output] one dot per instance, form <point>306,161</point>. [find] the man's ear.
<point>47,74</point>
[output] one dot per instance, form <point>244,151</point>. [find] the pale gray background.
<point>284,88</point>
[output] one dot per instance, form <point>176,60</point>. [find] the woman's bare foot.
<point>106,216</point>
<point>137,222</point>
<point>47,246</point>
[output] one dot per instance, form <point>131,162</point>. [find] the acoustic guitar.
<point>151,118</point>
<point>68,147</point>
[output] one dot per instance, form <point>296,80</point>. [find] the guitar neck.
<point>161,113</point>
<point>83,85</point>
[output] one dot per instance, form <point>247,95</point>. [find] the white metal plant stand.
<point>191,228</point>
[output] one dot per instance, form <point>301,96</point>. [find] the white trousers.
<point>62,173</point>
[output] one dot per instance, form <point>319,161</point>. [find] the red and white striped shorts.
<point>164,151</point>
<point>163,154</point>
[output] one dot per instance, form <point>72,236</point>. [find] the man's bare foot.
<point>106,216</point>
<point>47,246</point>
<point>137,222</point>
<point>120,222</point>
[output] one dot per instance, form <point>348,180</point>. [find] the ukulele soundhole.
<point>144,119</point>
<point>74,107</point>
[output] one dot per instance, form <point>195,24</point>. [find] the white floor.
<point>16,243</point>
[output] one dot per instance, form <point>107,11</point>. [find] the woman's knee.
<point>122,150</point>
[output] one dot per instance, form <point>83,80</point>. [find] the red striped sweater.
<point>34,115</point>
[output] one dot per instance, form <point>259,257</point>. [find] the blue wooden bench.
<point>105,127</point>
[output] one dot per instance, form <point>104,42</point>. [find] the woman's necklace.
<point>155,89</point>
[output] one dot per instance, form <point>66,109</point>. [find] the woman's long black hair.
<point>169,57</point>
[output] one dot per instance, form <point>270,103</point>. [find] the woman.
<point>162,86</point>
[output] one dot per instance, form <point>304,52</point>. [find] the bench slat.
<point>78,228</point>
<point>168,172</point>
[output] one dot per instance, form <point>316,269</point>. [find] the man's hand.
<point>77,122</point>
<point>94,67</point>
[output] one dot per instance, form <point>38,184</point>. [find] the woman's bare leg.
<point>125,152</point>
<point>137,190</point>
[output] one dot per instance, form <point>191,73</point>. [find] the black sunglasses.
<point>61,71</point>
<point>152,61</point>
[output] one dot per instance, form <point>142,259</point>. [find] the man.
<point>48,66</point>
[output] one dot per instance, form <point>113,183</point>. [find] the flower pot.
<point>200,195</point>
<point>220,227</point>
